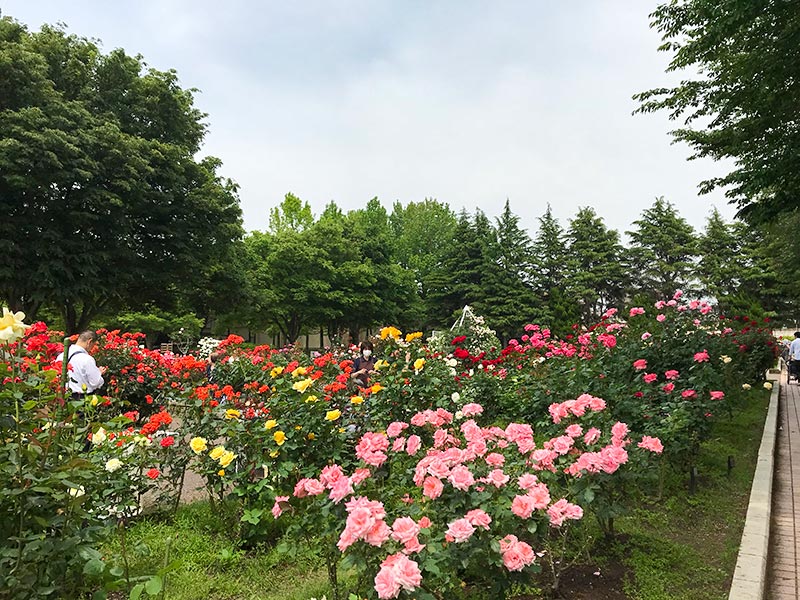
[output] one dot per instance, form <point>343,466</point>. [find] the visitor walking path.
<point>784,542</point>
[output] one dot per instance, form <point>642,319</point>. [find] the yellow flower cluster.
<point>222,456</point>
<point>275,372</point>
<point>299,371</point>
<point>232,413</point>
<point>381,364</point>
<point>392,332</point>
<point>413,336</point>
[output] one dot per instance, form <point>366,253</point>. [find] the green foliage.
<point>104,199</point>
<point>738,98</point>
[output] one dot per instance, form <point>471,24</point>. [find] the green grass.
<point>681,548</point>
<point>211,567</point>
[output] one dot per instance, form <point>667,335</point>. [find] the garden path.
<point>783,575</point>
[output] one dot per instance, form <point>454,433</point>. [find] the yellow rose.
<point>302,386</point>
<point>412,336</point>
<point>356,399</point>
<point>221,472</point>
<point>198,444</point>
<point>299,371</point>
<point>11,326</point>
<point>275,372</point>
<point>418,364</point>
<point>311,436</point>
<point>226,458</point>
<point>376,388</point>
<point>274,454</point>
<point>270,424</point>
<point>232,413</point>
<point>95,399</point>
<point>392,332</point>
<point>217,452</point>
<point>298,427</point>
<point>312,398</point>
<point>279,437</point>
<point>332,415</point>
<point>381,364</point>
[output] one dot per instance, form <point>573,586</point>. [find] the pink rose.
<point>717,395</point>
<point>701,356</point>
<point>688,394</point>
<point>653,444</point>
<point>404,529</point>
<point>518,556</point>
<point>359,475</point>
<point>591,436</point>
<point>432,487</point>
<point>314,487</point>
<point>395,428</point>
<point>413,444</point>
<point>527,481</point>
<point>668,387</point>
<point>341,489</point>
<point>649,377</point>
<point>523,506</point>
<point>640,364</point>
<point>461,478</point>
<point>660,318</point>
<point>277,511</point>
<point>495,459</point>
<point>574,431</point>
<point>459,531</point>
<point>472,409</point>
<point>672,374</point>
<point>636,311</point>
<point>399,444</point>
<point>478,518</point>
<point>497,478</point>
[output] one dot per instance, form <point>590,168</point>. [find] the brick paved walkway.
<point>784,548</point>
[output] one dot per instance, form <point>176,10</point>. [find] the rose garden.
<point>464,470</point>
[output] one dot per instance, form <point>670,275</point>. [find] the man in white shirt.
<point>84,375</point>
<point>794,357</point>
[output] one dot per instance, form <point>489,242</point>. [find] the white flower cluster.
<point>206,347</point>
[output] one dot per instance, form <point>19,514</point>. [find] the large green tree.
<point>662,252</point>
<point>508,299</point>
<point>740,96</point>
<point>104,202</point>
<point>597,277</point>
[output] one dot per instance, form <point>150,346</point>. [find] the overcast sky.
<point>469,102</point>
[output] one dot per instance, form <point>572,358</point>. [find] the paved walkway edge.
<point>750,575</point>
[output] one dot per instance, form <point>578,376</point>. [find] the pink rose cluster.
<point>576,407</point>
<point>398,572</point>
<point>365,521</point>
<point>516,554</point>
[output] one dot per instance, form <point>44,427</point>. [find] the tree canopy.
<point>105,204</point>
<point>740,97</point>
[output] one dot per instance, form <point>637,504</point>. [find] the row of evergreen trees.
<point>417,265</point>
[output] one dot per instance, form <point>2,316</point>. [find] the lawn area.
<point>683,547</point>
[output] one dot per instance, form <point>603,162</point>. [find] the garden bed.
<point>681,548</point>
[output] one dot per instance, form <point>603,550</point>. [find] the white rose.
<point>112,464</point>
<point>452,362</point>
<point>767,385</point>
<point>99,437</point>
<point>77,492</point>
<point>455,396</point>
<point>746,386</point>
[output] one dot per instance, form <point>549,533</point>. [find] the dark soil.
<point>585,582</point>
